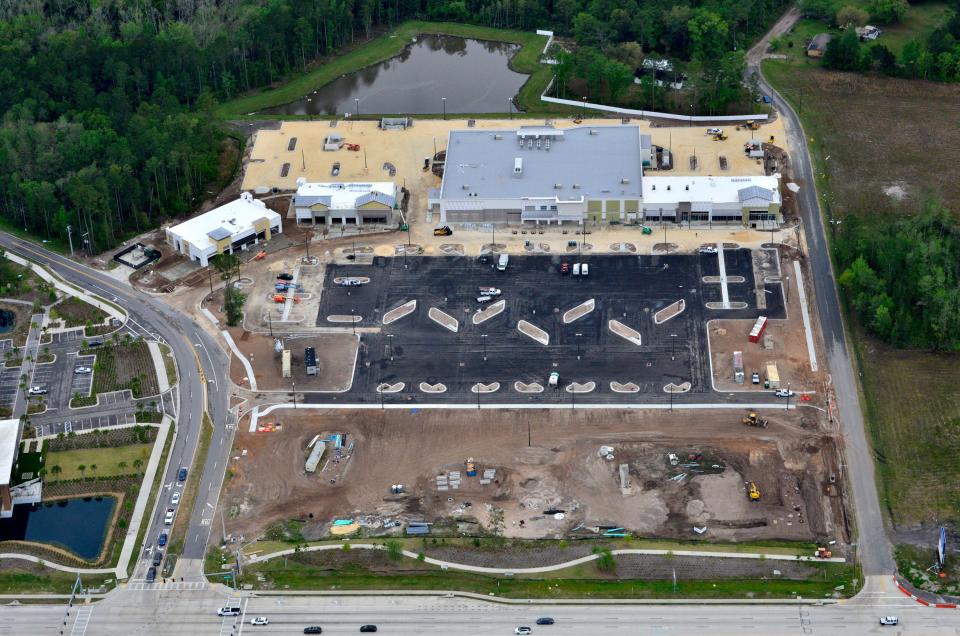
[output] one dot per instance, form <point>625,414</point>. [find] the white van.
<point>585,269</point>
<point>576,269</point>
<point>502,263</point>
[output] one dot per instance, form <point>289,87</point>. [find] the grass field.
<point>872,133</point>
<point>76,313</point>
<point>390,45</point>
<point>118,367</point>
<point>107,461</point>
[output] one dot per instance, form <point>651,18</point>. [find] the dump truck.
<point>753,492</point>
<point>471,468</point>
<point>752,419</point>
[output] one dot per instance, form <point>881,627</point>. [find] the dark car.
<point>151,574</point>
<point>157,557</point>
<point>284,276</point>
<point>368,628</point>
<point>546,620</point>
<point>313,629</point>
<point>564,268</point>
<point>182,475</point>
<point>162,539</point>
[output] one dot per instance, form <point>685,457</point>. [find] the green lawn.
<point>76,313</point>
<point>50,582</point>
<point>390,45</point>
<point>107,461</point>
<point>921,18</point>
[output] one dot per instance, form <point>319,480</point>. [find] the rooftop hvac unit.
<point>518,164</point>
<point>498,136</point>
<point>465,186</point>
<point>668,187</point>
<point>624,181</point>
<point>594,131</point>
<point>576,186</point>
<point>557,186</point>
<point>687,187</point>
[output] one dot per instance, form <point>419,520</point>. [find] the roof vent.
<point>653,186</point>
<point>498,136</point>
<point>518,165</point>
<point>668,187</point>
<point>687,187</point>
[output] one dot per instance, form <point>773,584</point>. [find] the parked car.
<point>284,276</point>
<point>708,249</point>
<point>889,620</point>
<point>162,539</point>
<point>766,99</point>
<point>335,170</point>
<point>755,378</point>
<point>442,231</point>
<point>368,628</point>
<point>182,475</point>
<point>585,269</point>
<point>175,499</point>
<point>546,620</point>
<point>83,370</point>
<point>313,629</point>
<point>784,393</point>
<point>554,379</point>
<point>260,620</point>
<point>484,299</point>
<point>714,131</point>
<point>38,390</point>
<point>490,291</point>
<point>564,268</point>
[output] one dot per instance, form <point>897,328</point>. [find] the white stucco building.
<point>347,203</point>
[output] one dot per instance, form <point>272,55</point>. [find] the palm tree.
<point>82,468</point>
<point>122,466</point>
<point>137,463</point>
<point>55,469</point>
<point>93,469</point>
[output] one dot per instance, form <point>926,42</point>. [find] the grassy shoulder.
<point>41,580</point>
<point>155,489</point>
<point>389,45</point>
<point>581,582</point>
<point>98,462</point>
<point>182,522</point>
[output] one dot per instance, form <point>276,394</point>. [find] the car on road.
<point>889,620</point>
<point>158,557</point>
<point>755,378</point>
<point>182,475</point>
<point>522,630</point>
<point>175,499</point>
<point>83,370</point>
<point>442,231</point>
<point>284,276</point>
<point>546,620</point>
<point>313,629</point>
<point>162,539</point>
<point>368,628</point>
<point>168,518</point>
<point>766,99</point>
<point>151,574</point>
<point>38,390</point>
<point>564,268</point>
<point>260,620</point>
<point>784,393</point>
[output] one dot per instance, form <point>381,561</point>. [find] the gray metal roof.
<point>306,200</point>
<point>820,41</point>
<point>755,192</point>
<point>379,197</point>
<point>596,159</point>
<point>219,234</point>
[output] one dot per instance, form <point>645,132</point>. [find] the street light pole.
<point>356,101</point>
<point>510,107</point>
<point>444,100</point>
<point>788,396</point>
<point>673,340</point>
<point>294,384</point>
<point>380,391</point>
<point>483,337</point>
<point>578,344</point>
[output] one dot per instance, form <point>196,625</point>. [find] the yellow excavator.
<point>753,492</point>
<point>752,419</point>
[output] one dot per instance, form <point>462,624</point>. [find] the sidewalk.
<point>159,366</point>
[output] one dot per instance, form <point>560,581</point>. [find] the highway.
<point>875,550</point>
<point>191,345</point>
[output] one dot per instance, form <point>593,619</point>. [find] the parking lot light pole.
<point>483,339</point>
<point>478,395</point>
<point>353,321</point>
<point>673,342</point>
<point>391,335</point>
<point>578,344</point>
<point>788,396</point>
<point>380,391</point>
<point>444,100</point>
<point>294,385</point>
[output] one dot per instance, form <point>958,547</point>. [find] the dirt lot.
<point>562,470</point>
<point>336,355</point>
<point>789,350</point>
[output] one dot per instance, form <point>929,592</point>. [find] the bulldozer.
<point>753,492</point>
<point>752,419</point>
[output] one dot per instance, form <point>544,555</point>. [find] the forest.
<point>902,275</point>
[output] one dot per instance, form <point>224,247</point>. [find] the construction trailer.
<point>773,375</point>
<point>738,375</point>
<point>315,454</point>
<point>310,360</point>
<point>286,363</point>
<point>758,328</point>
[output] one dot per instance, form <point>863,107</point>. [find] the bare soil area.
<point>558,486</point>
<point>336,355</point>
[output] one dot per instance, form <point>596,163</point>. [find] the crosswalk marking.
<point>82,620</point>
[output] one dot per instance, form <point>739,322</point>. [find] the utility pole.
<point>223,527</point>
<point>380,391</point>
<point>294,384</point>
<point>70,238</point>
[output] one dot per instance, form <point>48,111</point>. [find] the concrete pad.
<point>729,305</point>
<point>579,311</point>
<point>444,319</point>
<point>670,311</point>
<point>533,332</point>
<point>397,313</point>
<point>627,333</point>
<point>730,279</point>
<point>489,312</point>
<point>344,318</point>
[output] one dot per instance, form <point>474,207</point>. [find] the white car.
<point>259,620</point>
<point>714,131</point>
<point>889,620</point>
<point>490,291</point>
<point>784,393</point>
<point>522,630</point>
<point>484,299</point>
<point>708,249</point>
<point>175,499</point>
<point>83,370</point>
<point>168,518</point>
<point>38,390</point>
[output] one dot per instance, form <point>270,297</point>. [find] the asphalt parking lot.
<point>629,289</point>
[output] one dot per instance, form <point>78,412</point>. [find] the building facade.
<point>752,201</point>
<point>230,228</point>
<point>347,203</point>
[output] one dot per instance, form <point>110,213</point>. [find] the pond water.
<point>7,321</point>
<point>472,75</point>
<point>78,525</point>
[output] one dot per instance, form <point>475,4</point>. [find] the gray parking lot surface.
<point>85,423</point>
<point>629,289</point>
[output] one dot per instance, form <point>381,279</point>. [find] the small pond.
<point>7,320</point>
<point>472,75</point>
<point>78,525</point>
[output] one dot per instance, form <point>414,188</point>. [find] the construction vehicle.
<point>353,147</point>
<point>752,125</point>
<point>753,492</point>
<point>823,553</point>
<point>646,230</point>
<point>720,137</point>
<point>752,419</point>
<point>260,256</point>
<point>471,468</point>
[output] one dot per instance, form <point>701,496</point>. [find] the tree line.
<point>902,276</point>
